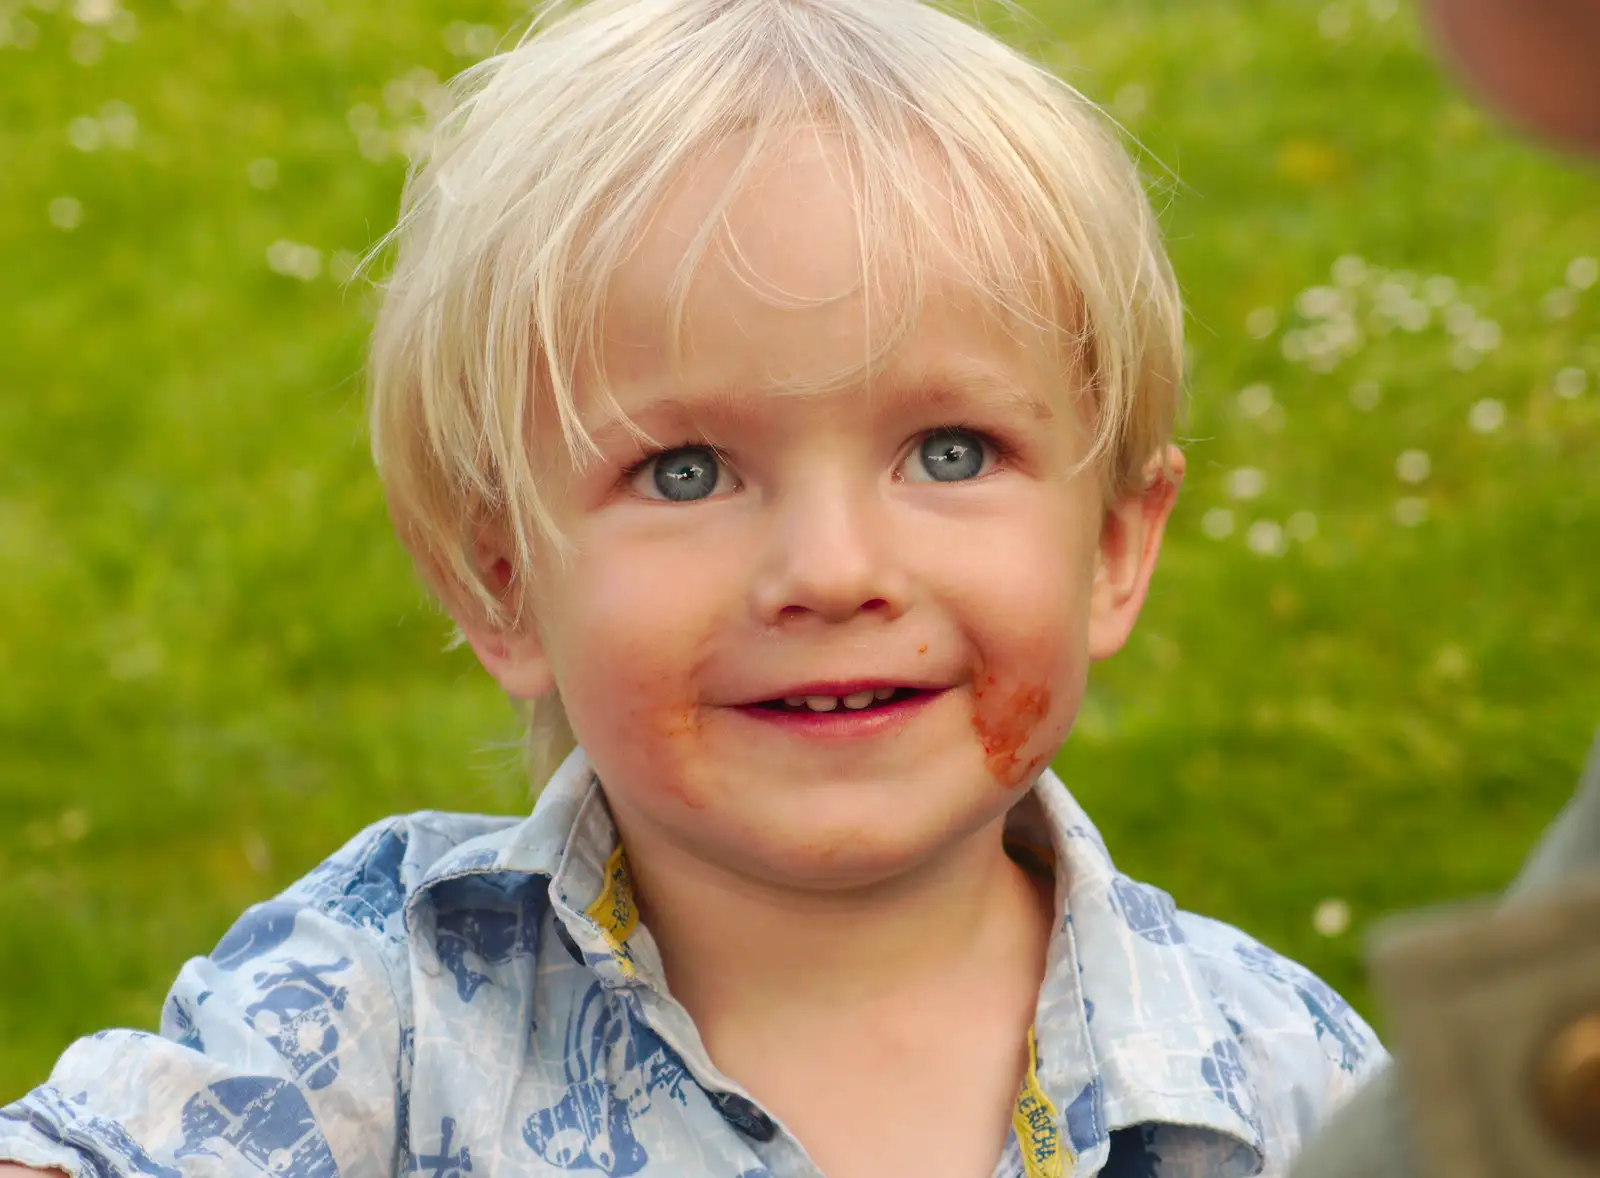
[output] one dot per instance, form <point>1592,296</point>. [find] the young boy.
<point>779,395</point>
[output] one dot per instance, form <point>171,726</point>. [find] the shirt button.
<point>744,1116</point>
<point>1568,1084</point>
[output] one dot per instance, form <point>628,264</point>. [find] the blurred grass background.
<point>1366,679</point>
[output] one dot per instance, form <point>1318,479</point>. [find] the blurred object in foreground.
<point>1496,1015</point>
<point>1536,60</point>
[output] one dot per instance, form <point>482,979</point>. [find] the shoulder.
<point>360,892</point>
<point>1289,1025</point>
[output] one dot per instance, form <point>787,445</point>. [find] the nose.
<point>829,554</point>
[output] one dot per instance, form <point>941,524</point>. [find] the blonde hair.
<point>542,176</point>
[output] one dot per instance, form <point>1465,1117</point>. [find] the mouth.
<point>841,711</point>
<point>864,700</point>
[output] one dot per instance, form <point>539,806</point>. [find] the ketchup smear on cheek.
<point>680,728</point>
<point>1004,721</point>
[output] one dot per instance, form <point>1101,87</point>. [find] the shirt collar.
<point>1124,993</point>
<point>1128,1030</point>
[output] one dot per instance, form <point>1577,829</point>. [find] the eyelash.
<point>1003,449</point>
<point>632,472</point>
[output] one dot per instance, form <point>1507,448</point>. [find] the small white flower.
<point>1570,383</point>
<point>1341,332</point>
<point>1413,316</point>
<point>1392,296</point>
<point>1130,101</point>
<point>1383,9</point>
<point>1459,318</point>
<point>1413,466</point>
<point>1302,526</point>
<point>1365,394</point>
<point>87,47</point>
<point>257,853</point>
<point>1265,538</point>
<point>95,12</point>
<point>1293,346</point>
<point>1464,357</point>
<point>73,824</point>
<point>1261,323</point>
<point>1350,270</point>
<point>120,124</point>
<point>1331,918</point>
<point>66,213</point>
<point>1559,303</point>
<point>1217,523</point>
<point>466,40</point>
<point>124,27</point>
<point>143,659</point>
<point>294,260</point>
<point>1487,415</point>
<point>1582,273</point>
<point>1410,512</point>
<point>85,133</point>
<point>262,172</point>
<point>1319,302</point>
<point>18,31</point>
<point>1247,482</point>
<point>375,145</point>
<point>1485,335</point>
<point>1451,662</point>
<point>1439,291</point>
<point>1255,400</point>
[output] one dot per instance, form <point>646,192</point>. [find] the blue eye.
<point>951,455</point>
<point>682,475</point>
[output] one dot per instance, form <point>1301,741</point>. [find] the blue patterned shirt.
<point>458,995</point>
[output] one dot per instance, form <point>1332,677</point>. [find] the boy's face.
<point>831,543</point>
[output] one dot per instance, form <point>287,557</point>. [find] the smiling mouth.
<point>860,701</point>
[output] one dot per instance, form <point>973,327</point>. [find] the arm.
<point>281,1048</point>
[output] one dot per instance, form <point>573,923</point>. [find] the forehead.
<point>794,277</point>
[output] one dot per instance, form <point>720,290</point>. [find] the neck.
<point>960,921</point>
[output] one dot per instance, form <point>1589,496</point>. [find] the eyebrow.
<point>948,390</point>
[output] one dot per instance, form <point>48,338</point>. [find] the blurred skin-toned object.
<point>1496,1008</point>
<point>1537,61</point>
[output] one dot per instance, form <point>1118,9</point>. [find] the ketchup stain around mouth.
<point>681,728</point>
<point>1004,724</point>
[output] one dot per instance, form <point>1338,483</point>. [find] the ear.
<point>1130,542</point>
<point>515,656</point>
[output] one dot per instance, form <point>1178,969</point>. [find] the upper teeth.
<point>827,703</point>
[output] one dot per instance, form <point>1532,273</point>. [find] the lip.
<point>842,723</point>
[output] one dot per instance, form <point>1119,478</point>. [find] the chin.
<point>847,850</point>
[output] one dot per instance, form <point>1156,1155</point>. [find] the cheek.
<point>633,709</point>
<point>1031,662</point>
<point>1005,717</point>
<point>633,634</point>
<point>1022,709</point>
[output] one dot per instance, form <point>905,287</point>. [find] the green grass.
<point>215,664</point>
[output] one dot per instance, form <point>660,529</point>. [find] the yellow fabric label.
<point>614,910</point>
<point>1038,1130</point>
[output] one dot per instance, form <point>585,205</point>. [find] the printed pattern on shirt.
<point>614,1066</point>
<point>256,1124</point>
<point>440,999</point>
